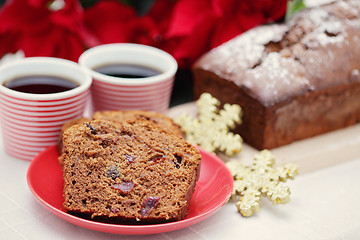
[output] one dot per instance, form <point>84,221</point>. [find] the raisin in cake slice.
<point>130,172</point>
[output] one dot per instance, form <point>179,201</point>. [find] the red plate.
<point>212,191</point>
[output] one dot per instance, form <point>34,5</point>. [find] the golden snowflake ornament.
<point>211,129</point>
<point>251,183</point>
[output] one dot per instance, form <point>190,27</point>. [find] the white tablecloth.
<point>324,203</point>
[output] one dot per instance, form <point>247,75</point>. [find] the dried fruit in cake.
<point>133,172</point>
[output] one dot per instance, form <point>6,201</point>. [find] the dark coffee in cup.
<point>127,71</point>
<point>40,84</point>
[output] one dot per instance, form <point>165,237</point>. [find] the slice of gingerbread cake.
<point>134,172</point>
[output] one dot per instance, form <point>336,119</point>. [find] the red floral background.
<point>184,28</point>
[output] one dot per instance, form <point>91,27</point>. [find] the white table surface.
<point>324,201</point>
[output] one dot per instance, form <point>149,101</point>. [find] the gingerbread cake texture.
<point>119,116</point>
<point>66,126</point>
<point>133,172</point>
<point>157,118</point>
<point>293,80</point>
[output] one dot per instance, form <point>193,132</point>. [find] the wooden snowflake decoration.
<point>211,129</point>
<point>260,179</point>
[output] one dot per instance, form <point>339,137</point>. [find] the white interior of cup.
<point>129,53</point>
<point>47,66</point>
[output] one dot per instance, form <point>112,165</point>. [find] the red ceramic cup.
<point>124,93</point>
<point>31,121</point>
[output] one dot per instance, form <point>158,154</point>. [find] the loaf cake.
<point>157,118</point>
<point>293,80</point>
<point>133,172</point>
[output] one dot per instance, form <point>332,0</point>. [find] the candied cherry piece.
<point>156,158</point>
<point>130,158</point>
<point>148,204</point>
<point>124,187</point>
<point>114,210</point>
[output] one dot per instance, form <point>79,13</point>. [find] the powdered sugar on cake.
<point>244,51</point>
<point>276,78</point>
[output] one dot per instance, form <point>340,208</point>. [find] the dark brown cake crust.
<point>157,118</point>
<point>135,172</point>
<point>293,80</point>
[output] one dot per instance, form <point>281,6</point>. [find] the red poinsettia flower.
<point>198,26</point>
<point>38,30</point>
<point>184,28</point>
<point>112,21</point>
